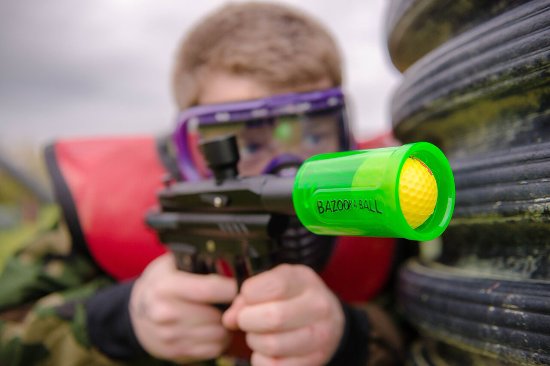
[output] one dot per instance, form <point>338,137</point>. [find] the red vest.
<point>106,185</point>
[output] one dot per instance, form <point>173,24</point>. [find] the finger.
<point>164,263</point>
<point>230,316</point>
<point>206,333</point>
<point>204,351</point>
<point>282,282</point>
<point>162,312</point>
<point>175,340</point>
<point>296,342</point>
<point>212,288</point>
<point>314,359</point>
<point>188,350</point>
<point>170,334</point>
<point>286,315</point>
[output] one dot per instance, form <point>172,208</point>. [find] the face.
<point>261,141</point>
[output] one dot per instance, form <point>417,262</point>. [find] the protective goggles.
<point>297,124</point>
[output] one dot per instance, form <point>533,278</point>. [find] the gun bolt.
<point>211,246</point>
<point>218,202</point>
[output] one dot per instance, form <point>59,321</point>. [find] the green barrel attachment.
<point>401,192</point>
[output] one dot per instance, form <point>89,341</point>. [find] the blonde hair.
<point>280,47</point>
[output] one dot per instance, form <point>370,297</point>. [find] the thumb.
<point>230,316</point>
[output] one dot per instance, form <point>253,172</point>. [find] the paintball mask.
<point>271,132</point>
<point>274,136</point>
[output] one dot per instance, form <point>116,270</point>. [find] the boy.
<point>290,316</point>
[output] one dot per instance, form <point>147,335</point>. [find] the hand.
<point>290,316</point>
<point>171,315</point>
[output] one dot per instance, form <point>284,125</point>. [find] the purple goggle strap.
<point>279,105</point>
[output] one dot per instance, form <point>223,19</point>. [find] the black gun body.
<point>234,224</point>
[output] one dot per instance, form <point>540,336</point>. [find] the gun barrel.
<point>276,195</point>
<point>265,193</point>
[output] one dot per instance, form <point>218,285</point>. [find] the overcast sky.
<point>101,67</point>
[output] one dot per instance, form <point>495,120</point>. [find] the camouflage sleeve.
<point>44,273</point>
<point>44,264</point>
<point>47,288</point>
<point>38,335</point>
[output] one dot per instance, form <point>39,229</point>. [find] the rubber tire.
<point>506,319</point>
<point>486,88</point>
<point>416,27</point>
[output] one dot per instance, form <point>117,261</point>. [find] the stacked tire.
<point>476,82</point>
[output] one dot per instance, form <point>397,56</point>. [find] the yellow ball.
<point>417,192</point>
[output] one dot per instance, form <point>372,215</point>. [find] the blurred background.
<point>102,67</point>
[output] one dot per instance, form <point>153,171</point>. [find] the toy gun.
<point>232,225</point>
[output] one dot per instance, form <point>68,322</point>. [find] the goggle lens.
<point>300,125</point>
